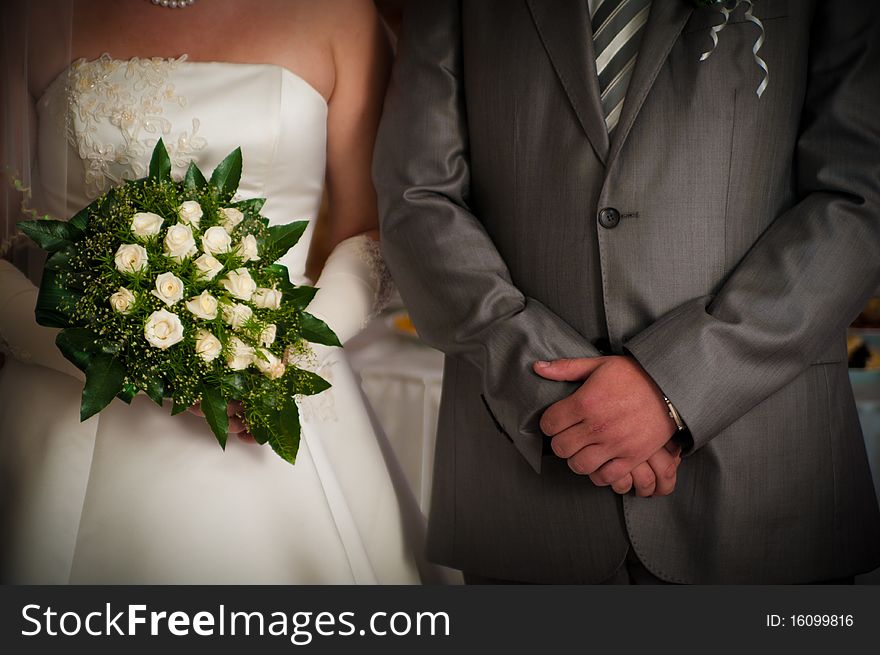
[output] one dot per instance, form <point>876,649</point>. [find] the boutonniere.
<point>727,7</point>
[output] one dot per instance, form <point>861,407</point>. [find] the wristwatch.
<point>674,415</point>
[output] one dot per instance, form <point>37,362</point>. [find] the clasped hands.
<point>615,428</point>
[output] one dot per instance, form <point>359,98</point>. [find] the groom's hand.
<point>656,477</point>
<point>615,422</point>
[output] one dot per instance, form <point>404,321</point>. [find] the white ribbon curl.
<point>750,16</point>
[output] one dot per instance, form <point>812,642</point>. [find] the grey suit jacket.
<point>749,239</point>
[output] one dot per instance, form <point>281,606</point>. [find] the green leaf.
<point>178,409</point>
<point>58,260</point>
<point>297,296</point>
<point>78,345</point>
<point>48,234</point>
<point>156,390</point>
<point>104,379</point>
<point>260,434</point>
<point>160,163</point>
<point>194,180</point>
<point>252,205</point>
<point>306,383</point>
<point>214,408</point>
<point>237,383</point>
<point>54,301</point>
<point>317,331</point>
<point>84,340</point>
<point>129,391</point>
<point>227,175</point>
<point>280,271</point>
<point>282,238</point>
<point>80,220</point>
<point>284,433</point>
<point>79,338</point>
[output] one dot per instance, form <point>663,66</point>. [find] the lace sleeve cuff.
<point>354,287</point>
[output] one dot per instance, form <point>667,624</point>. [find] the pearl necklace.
<point>173,4</point>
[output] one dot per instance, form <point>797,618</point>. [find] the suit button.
<point>609,218</point>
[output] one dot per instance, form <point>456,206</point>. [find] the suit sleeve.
<point>812,270</point>
<point>449,273</point>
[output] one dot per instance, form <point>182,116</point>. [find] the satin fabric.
<point>134,495</point>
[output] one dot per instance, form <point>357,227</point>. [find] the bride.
<point>134,495</point>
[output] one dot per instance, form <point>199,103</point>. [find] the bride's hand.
<point>234,411</point>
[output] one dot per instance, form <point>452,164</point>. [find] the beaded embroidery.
<point>371,253</point>
<point>131,95</point>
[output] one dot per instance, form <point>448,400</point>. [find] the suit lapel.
<point>665,22</point>
<point>565,31</point>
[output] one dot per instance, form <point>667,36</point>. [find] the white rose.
<point>203,306</point>
<point>169,288</point>
<point>240,284</point>
<point>230,217</point>
<point>240,355</point>
<point>163,329</point>
<point>131,258</point>
<point>268,364</point>
<point>209,266</point>
<point>190,213</point>
<point>208,346</point>
<point>122,300</point>
<point>216,240</point>
<point>237,315</point>
<point>267,336</point>
<point>179,242</point>
<point>267,298</point>
<point>146,224</point>
<point>247,249</point>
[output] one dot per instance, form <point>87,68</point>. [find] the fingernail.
<point>542,364</point>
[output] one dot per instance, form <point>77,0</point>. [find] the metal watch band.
<point>673,414</point>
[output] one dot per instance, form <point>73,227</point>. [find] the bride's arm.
<point>353,283</point>
<point>24,338</point>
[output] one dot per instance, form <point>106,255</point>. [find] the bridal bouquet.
<point>169,287</point>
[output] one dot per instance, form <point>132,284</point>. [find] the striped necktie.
<point>617,32</point>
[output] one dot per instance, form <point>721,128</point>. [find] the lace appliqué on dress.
<point>320,407</point>
<point>320,360</point>
<point>371,253</point>
<point>130,95</point>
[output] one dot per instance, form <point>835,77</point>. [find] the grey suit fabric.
<point>749,239</point>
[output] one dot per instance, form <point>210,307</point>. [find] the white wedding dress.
<point>134,495</point>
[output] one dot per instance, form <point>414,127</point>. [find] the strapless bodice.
<point>99,120</point>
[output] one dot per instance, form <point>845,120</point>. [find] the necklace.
<point>173,4</point>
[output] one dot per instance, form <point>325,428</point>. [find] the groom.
<point>624,246</point>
